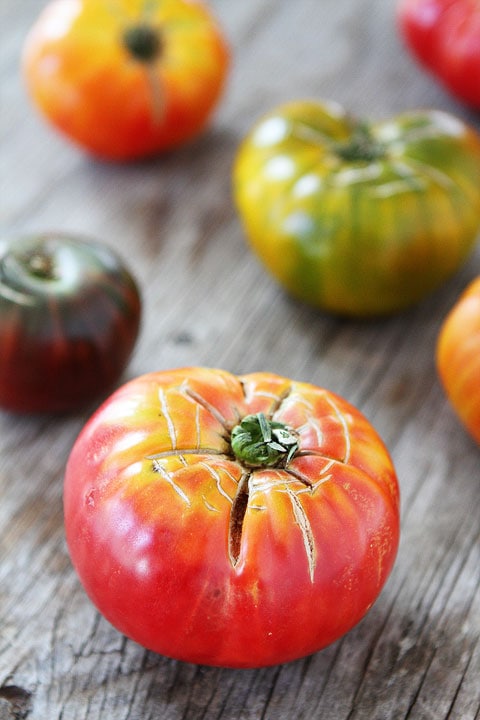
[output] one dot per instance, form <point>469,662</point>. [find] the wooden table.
<point>208,302</point>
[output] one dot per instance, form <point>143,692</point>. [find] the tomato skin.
<point>114,104</point>
<point>444,36</point>
<point>69,319</point>
<point>152,515</point>
<point>357,218</point>
<point>458,357</point>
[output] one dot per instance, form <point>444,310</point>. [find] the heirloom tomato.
<point>359,218</point>
<point>231,521</point>
<point>444,36</point>
<point>126,78</point>
<point>69,318</point>
<point>458,357</point>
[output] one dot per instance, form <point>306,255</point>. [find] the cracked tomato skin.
<point>125,78</point>
<point>200,556</point>
<point>359,218</point>
<point>70,313</point>
<point>458,357</point>
<point>444,37</point>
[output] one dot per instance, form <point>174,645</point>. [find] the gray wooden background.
<point>207,301</point>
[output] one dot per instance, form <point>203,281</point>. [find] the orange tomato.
<point>458,357</point>
<point>126,78</point>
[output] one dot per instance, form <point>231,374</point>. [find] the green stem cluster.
<point>361,146</point>
<point>259,442</point>
<point>143,42</point>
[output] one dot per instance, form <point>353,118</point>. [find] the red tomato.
<point>444,35</point>
<point>69,319</point>
<point>458,357</point>
<point>231,521</point>
<point>126,79</point>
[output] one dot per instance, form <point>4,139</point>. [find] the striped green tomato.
<point>359,218</point>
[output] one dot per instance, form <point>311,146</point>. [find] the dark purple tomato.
<point>69,319</point>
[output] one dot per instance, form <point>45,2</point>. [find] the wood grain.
<point>208,302</point>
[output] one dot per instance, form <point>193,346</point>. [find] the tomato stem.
<point>259,442</point>
<point>143,42</point>
<point>361,146</point>
<point>41,265</point>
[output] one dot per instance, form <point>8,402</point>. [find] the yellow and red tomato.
<point>231,521</point>
<point>359,218</point>
<point>126,78</point>
<point>458,357</point>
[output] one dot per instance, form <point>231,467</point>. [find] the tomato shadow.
<point>167,197</point>
<point>216,145</point>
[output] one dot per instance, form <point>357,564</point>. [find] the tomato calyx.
<point>37,263</point>
<point>256,442</point>
<point>143,42</point>
<point>41,265</point>
<point>260,442</point>
<point>361,146</point>
<point>31,267</point>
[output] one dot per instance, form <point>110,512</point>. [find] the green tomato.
<point>359,218</point>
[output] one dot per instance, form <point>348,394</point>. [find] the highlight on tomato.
<point>444,37</point>
<point>69,319</point>
<point>356,217</point>
<point>458,357</point>
<point>235,521</point>
<point>126,78</point>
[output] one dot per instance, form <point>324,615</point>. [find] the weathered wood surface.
<point>207,301</point>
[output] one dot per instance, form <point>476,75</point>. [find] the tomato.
<point>230,521</point>
<point>444,36</point>
<point>458,357</point>
<point>359,218</point>
<point>126,78</point>
<point>69,319</point>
